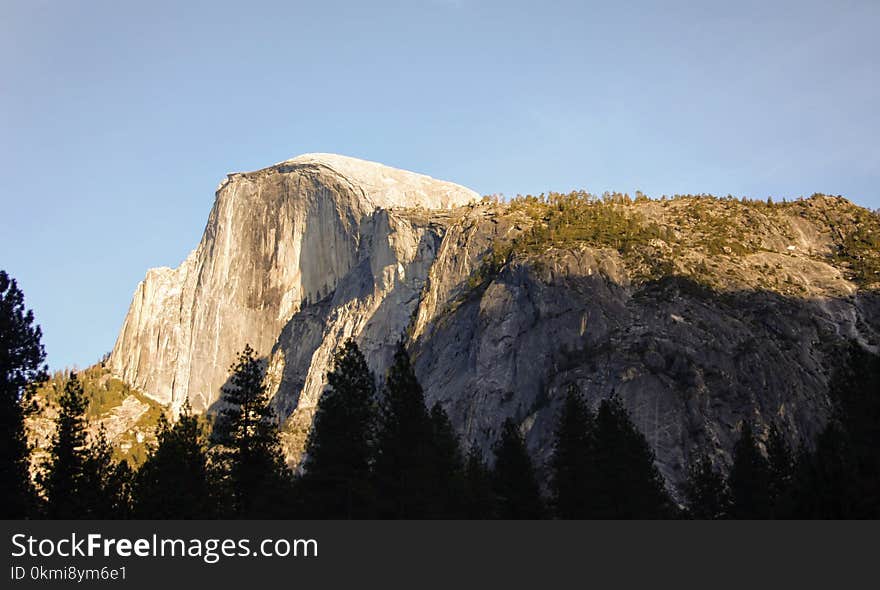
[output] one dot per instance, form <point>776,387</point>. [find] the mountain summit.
<point>384,186</point>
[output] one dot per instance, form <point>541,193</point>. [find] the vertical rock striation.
<point>276,240</point>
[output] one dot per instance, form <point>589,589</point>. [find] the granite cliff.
<point>698,312</point>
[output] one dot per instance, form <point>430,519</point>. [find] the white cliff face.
<point>276,240</point>
<point>384,187</point>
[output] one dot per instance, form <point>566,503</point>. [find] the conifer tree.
<point>780,462</point>
<point>750,478</point>
<point>516,487</point>
<point>106,484</point>
<point>840,477</point>
<point>448,467</point>
<point>479,498</point>
<point>706,491</point>
<point>120,489</point>
<point>63,481</point>
<point>627,483</point>
<point>337,471</point>
<point>80,478</point>
<point>246,430</point>
<point>173,482</point>
<point>855,390</point>
<point>572,475</point>
<point>22,365</point>
<point>403,476</point>
<point>825,482</point>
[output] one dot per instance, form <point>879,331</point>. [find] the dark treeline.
<point>837,477</point>
<point>382,453</point>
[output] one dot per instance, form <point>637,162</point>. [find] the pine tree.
<point>825,483</point>
<point>479,498</point>
<point>337,471</point>
<point>516,487</point>
<point>572,474</point>
<point>627,483</point>
<point>448,467</point>
<point>80,478</point>
<point>403,477</point>
<point>706,492</point>
<point>840,477</point>
<point>855,389</point>
<point>106,484</point>
<point>64,481</point>
<point>781,464</point>
<point>22,365</point>
<point>173,482</point>
<point>250,454</point>
<point>120,489</point>
<point>750,478</point>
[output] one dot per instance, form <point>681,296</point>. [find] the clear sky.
<point>118,119</point>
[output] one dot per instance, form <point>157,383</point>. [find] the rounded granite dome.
<point>385,186</point>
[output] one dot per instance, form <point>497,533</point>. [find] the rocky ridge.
<point>127,418</point>
<point>698,312</point>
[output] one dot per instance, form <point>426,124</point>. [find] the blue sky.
<point>118,119</point>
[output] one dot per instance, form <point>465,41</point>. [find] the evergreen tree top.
<point>22,355</point>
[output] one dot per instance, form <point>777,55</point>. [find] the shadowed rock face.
<point>302,255</point>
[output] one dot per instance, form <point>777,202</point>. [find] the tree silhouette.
<point>80,478</point>
<point>781,464</point>
<point>403,476</point>
<point>64,481</point>
<point>706,492</point>
<point>840,477</point>
<point>21,366</point>
<point>573,448</point>
<point>627,483</point>
<point>479,498</point>
<point>516,488</point>
<point>257,480</point>
<point>106,484</point>
<point>449,485</point>
<point>337,479</point>
<point>855,389</point>
<point>173,482</point>
<point>825,486</point>
<point>750,478</point>
<point>119,486</point>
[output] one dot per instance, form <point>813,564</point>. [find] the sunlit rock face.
<point>302,255</point>
<point>316,229</point>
